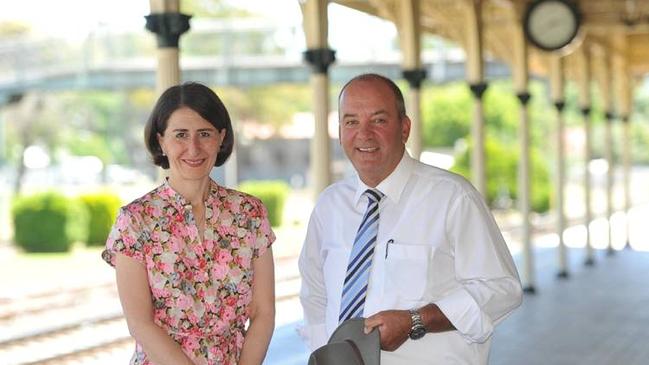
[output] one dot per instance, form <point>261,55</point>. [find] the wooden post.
<point>408,26</point>
<point>319,57</point>
<point>475,78</point>
<point>168,24</point>
<point>584,80</point>
<point>520,74</point>
<point>557,91</point>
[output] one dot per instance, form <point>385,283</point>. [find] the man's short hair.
<point>398,96</point>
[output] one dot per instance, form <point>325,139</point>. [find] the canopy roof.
<point>618,28</point>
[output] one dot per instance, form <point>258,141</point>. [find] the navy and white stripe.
<point>360,260</point>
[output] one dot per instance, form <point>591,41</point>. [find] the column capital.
<point>524,97</point>
<point>478,89</point>
<point>168,27</point>
<point>415,77</point>
<point>15,97</point>
<point>559,104</point>
<point>319,59</point>
<point>609,116</point>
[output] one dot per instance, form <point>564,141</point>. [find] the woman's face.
<point>191,144</point>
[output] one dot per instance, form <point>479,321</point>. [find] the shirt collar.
<point>393,185</point>
<point>168,193</point>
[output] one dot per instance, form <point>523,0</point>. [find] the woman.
<point>193,259</point>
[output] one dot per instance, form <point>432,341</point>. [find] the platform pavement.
<point>598,316</point>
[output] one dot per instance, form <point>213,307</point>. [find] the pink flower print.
<point>128,240</point>
<point>198,308</point>
<point>244,262</point>
<point>219,271</point>
<point>235,243</point>
<point>168,259</point>
<point>178,230</point>
<point>226,218</point>
<point>209,245</point>
<point>235,274</point>
<point>164,236</point>
<point>184,302</point>
<point>135,208</point>
<point>122,222</point>
<point>223,256</point>
<point>243,287</point>
<point>155,235</point>
<point>239,340</point>
<point>156,249</point>
<point>228,314</point>
<point>191,344</point>
<point>201,277</point>
<point>250,237</point>
<point>175,243</point>
<point>192,231</point>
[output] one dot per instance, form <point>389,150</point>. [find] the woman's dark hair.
<point>198,98</point>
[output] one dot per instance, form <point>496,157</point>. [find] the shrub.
<point>272,194</point>
<point>502,174</point>
<point>48,222</point>
<point>102,208</point>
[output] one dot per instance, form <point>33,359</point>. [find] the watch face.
<point>551,24</point>
<point>417,332</point>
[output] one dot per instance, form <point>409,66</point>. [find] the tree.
<point>31,119</point>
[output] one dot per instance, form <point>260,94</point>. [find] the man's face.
<point>371,132</point>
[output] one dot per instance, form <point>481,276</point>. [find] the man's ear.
<point>405,128</point>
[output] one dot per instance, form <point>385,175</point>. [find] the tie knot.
<point>374,195</point>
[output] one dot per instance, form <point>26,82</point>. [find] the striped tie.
<point>360,260</point>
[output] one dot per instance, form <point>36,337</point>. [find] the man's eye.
<point>351,122</point>
<point>181,135</point>
<point>379,121</point>
<point>205,134</point>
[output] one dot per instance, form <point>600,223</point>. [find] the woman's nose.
<point>194,145</point>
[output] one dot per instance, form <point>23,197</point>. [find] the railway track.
<point>86,326</point>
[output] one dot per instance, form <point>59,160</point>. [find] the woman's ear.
<point>160,140</point>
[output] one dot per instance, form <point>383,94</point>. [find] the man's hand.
<point>393,326</point>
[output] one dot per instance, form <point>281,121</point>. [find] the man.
<point>419,255</point>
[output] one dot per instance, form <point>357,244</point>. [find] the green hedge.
<point>48,222</point>
<point>272,194</point>
<point>102,208</point>
<point>502,173</point>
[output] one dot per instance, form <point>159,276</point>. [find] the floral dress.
<point>200,290</point>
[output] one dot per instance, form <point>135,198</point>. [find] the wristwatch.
<point>417,329</point>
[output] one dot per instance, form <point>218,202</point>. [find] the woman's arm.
<point>262,311</point>
<point>134,293</point>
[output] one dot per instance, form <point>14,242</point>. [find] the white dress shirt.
<point>437,243</point>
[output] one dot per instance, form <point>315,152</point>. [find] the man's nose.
<point>365,128</point>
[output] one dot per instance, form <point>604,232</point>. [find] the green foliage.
<point>275,104</point>
<point>102,208</point>
<point>446,114</point>
<point>272,193</point>
<point>502,173</point>
<point>48,222</point>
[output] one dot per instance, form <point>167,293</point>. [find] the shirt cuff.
<point>314,336</point>
<point>465,315</point>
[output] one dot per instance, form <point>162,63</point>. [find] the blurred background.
<point>77,81</point>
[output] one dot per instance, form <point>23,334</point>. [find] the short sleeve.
<point>264,235</point>
<point>124,238</point>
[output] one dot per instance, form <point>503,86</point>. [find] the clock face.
<point>551,24</point>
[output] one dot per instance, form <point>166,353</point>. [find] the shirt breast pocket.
<point>407,270</point>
